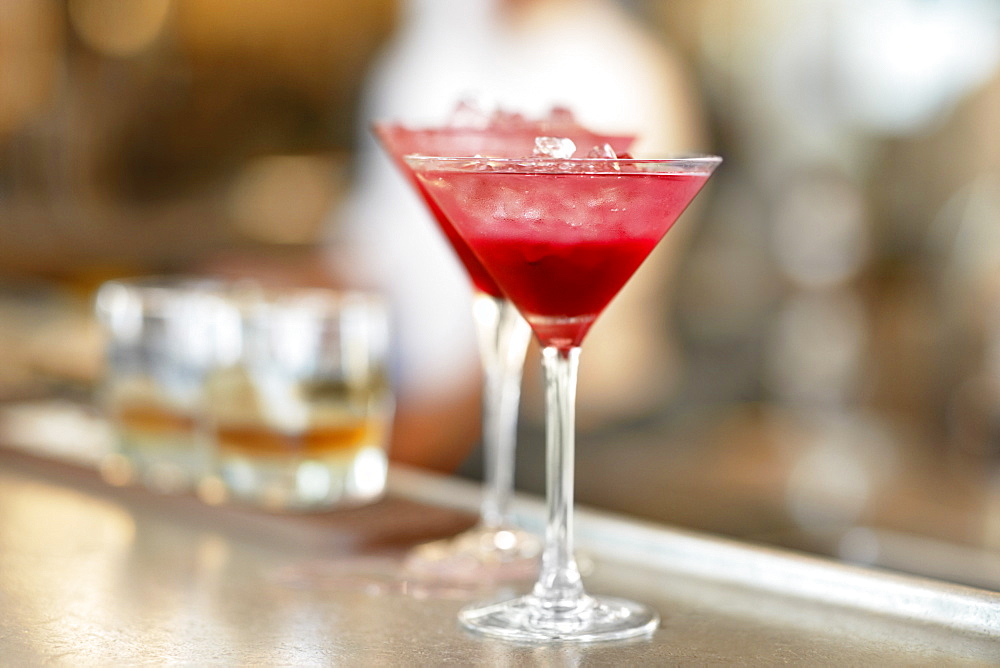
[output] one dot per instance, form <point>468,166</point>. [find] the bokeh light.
<point>118,29</point>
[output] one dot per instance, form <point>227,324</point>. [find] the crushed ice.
<point>470,113</point>
<point>550,150</point>
<point>557,148</point>
<point>603,152</point>
<point>607,156</point>
<point>478,114</point>
<point>555,154</point>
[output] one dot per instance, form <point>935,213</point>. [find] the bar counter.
<point>92,574</point>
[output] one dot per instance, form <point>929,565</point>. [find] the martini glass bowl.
<point>561,237</point>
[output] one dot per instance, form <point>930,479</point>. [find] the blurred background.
<point>813,360</point>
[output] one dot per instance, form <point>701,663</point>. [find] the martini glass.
<point>561,237</point>
<point>495,549</point>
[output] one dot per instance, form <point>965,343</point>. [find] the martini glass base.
<point>593,619</point>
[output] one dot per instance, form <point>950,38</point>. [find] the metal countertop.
<point>98,575</point>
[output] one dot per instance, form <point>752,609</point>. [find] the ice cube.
<point>469,113</point>
<point>604,159</point>
<point>561,117</point>
<point>507,121</point>
<point>559,148</point>
<point>602,152</point>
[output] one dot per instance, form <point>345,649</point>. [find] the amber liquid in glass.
<point>158,444</point>
<point>256,440</point>
<point>152,420</point>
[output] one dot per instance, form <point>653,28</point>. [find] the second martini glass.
<point>561,237</point>
<point>495,549</point>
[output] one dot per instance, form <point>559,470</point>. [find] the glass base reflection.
<point>588,619</point>
<point>481,554</point>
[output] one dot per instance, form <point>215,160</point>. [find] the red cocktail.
<point>554,263</point>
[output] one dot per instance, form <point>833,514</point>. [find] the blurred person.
<point>525,56</point>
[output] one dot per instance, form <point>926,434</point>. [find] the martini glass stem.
<point>559,586</point>
<point>503,342</point>
<point>558,608</point>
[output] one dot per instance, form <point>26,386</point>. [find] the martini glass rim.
<point>691,162</point>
